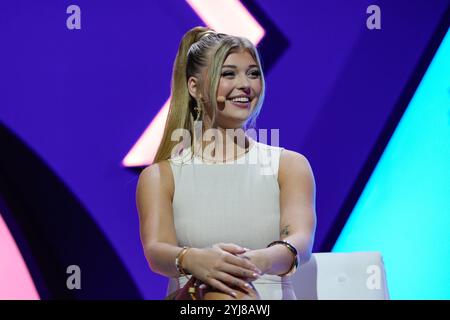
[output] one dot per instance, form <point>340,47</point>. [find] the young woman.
<point>231,211</point>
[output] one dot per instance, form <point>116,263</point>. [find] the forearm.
<point>161,258</point>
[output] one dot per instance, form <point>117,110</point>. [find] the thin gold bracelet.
<point>179,261</point>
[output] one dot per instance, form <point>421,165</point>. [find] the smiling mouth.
<point>238,104</point>
<point>241,102</point>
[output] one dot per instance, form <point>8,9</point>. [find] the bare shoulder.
<point>156,176</point>
<point>294,166</point>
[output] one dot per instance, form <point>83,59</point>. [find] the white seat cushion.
<point>343,276</point>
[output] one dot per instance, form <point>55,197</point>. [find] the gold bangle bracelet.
<point>179,261</point>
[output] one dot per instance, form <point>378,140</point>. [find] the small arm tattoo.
<point>285,231</point>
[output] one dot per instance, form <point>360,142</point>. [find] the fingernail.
<point>234,294</point>
<point>246,249</point>
<point>255,275</point>
<point>247,285</point>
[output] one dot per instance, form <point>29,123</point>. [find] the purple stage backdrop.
<point>80,99</point>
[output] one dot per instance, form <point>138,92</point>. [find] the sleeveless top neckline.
<point>244,155</point>
<point>186,156</point>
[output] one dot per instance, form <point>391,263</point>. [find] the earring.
<point>198,112</point>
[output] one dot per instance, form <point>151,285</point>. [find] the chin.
<point>232,122</point>
<point>234,117</point>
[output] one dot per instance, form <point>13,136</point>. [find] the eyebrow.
<point>233,66</point>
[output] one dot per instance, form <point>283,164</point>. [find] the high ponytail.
<point>179,115</point>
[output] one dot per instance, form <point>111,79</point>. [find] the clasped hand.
<point>224,266</point>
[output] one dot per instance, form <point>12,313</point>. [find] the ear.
<point>193,87</point>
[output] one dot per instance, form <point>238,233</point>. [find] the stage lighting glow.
<point>15,280</point>
<point>228,16</point>
<point>404,210</point>
<point>144,151</point>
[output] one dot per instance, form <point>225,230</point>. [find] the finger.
<point>252,290</point>
<point>232,248</point>
<point>221,287</point>
<point>232,281</point>
<point>240,272</point>
<point>242,262</point>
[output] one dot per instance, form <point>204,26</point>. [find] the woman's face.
<point>240,77</point>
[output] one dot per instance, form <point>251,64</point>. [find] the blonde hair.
<point>200,48</point>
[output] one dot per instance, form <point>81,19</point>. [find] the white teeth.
<point>240,99</point>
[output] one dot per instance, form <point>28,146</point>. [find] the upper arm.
<point>297,195</point>
<point>154,196</point>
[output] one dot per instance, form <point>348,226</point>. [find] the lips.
<point>243,105</point>
<point>240,104</point>
<point>240,96</point>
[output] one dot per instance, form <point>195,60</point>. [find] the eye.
<point>227,73</point>
<point>255,73</point>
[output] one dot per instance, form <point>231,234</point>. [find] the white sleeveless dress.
<point>232,202</point>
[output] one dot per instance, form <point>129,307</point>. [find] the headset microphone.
<point>221,99</point>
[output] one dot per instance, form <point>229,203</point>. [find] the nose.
<point>244,84</point>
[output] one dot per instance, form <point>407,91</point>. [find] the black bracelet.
<point>286,243</point>
<point>293,251</point>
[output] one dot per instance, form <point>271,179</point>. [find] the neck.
<point>222,144</point>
